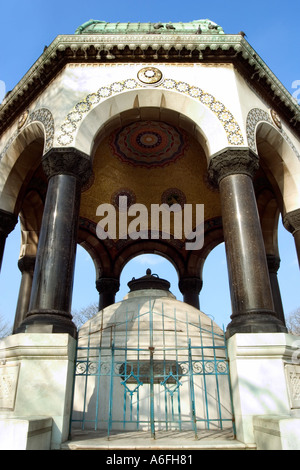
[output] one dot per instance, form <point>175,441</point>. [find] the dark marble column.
<point>50,303</point>
<point>107,288</point>
<point>8,222</point>
<point>26,266</point>
<point>190,288</point>
<point>291,222</point>
<point>251,295</point>
<point>273,262</point>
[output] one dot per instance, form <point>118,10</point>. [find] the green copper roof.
<point>194,27</point>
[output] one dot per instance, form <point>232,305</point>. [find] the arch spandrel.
<point>217,124</point>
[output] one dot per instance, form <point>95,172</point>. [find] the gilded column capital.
<point>232,161</point>
<point>291,221</point>
<point>68,161</point>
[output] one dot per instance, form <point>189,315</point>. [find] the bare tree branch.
<point>293,322</point>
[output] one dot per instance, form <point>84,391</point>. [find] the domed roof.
<point>148,294</point>
<point>150,281</point>
<point>205,26</point>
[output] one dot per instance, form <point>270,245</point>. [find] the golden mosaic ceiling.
<point>151,162</point>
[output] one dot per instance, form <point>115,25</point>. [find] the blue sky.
<point>272,29</point>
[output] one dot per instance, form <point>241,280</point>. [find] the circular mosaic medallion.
<point>23,119</point>
<point>276,118</point>
<point>123,205</point>
<point>148,144</point>
<point>149,75</point>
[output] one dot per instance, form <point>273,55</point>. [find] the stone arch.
<point>279,157</point>
<point>158,247</point>
<point>95,247</point>
<point>278,161</point>
<point>22,154</point>
<point>213,234</point>
<point>44,117</point>
<point>218,125</point>
<point>257,116</point>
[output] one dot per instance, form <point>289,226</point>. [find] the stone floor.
<point>165,440</point>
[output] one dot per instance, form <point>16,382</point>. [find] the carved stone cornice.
<point>93,48</point>
<point>68,161</point>
<point>232,161</point>
<point>291,221</point>
<point>8,222</point>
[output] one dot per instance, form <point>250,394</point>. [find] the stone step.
<point>165,440</point>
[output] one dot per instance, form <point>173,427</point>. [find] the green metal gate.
<point>153,372</point>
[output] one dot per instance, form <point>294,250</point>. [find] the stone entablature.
<point>185,48</point>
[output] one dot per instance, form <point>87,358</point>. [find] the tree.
<point>84,314</point>
<point>5,329</point>
<point>293,322</point>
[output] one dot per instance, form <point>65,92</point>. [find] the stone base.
<point>25,434</point>
<point>261,322</point>
<point>264,380</point>
<point>38,371</point>
<point>48,322</point>
<point>276,432</point>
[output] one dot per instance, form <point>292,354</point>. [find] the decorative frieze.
<point>77,114</point>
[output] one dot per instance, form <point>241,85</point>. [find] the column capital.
<point>26,264</point>
<point>291,221</point>
<point>107,284</point>
<point>232,161</point>
<point>68,161</point>
<point>8,222</point>
<point>273,262</point>
<point>190,284</point>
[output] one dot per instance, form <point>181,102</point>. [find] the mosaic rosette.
<point>131,199</point>
<point>173,196</point>
<point>148,144</point>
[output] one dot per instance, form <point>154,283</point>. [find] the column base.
<point>255,322</point>
<point>48,322</point>
<point>263,384</point>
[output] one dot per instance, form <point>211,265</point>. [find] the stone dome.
<point>151,362</point>
<point>147,294</point>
